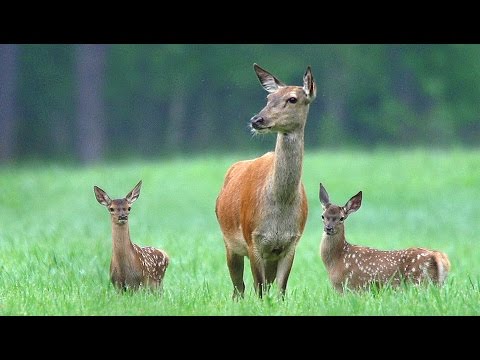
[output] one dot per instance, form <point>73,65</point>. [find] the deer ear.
<point>268,81</point>
<point>353,204</point>
<point>324,198</point>
<point>133,195</point>
<point>102,196</point>
<point>309,85</point>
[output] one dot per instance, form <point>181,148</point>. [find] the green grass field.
<point>55,239</point>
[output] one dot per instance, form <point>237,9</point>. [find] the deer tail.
<point>443,265</point>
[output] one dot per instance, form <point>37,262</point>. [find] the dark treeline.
<point>93,102</point>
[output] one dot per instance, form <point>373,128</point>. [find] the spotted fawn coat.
<point>357,267</point>
<point>131,266</point>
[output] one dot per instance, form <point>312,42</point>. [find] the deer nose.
<point>257,121</point>
<point>122,217</point>
<point>328,228</point>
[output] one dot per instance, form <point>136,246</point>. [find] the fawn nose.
<point>328,229</point>
<point>257,122</point>
<point>122,217</point>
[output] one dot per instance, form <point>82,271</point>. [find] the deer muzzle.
<point>329,229</point>
<point>257,122</point>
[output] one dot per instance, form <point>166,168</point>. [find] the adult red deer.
<point>262,207</point>
<point>357,267</point>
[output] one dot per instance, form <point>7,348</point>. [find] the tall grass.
<point>55,240</point>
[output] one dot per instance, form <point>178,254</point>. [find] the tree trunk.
<point>8,87</point>
<point>204,126</point>
<point>335,118</point>
<point>176,120</point>
<point>90,76</point>
<point>406,90</point>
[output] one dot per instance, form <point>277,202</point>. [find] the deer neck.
<point>122,246</point>
<point>288,166</point>
<point>333,247</point>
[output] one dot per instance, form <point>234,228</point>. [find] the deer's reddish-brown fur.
<point>131,266</point>
<point>262,207</point>
<point>357,267</point>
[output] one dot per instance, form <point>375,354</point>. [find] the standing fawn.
<point>262,207</point>
<point>131,265</point>
<point>356,267</point>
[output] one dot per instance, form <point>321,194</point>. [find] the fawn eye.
<point>292,100</point>
<point>323,217</point>
<point>342,218</point>
<point>129,208</point>
<point>111,209</point>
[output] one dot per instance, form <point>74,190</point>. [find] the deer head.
<point>287,106</point>
<point>119,208</point>
<point>333,215</point>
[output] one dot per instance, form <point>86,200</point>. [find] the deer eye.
<point>292,100</point>
<point>342,218</point>
<point>111,209</point>
<point>323,217</point>
<point>129,208</point>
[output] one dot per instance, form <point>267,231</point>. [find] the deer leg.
<point>235,267</point>
<point>257,265</point>
<point>283,270</point>
<point>270,272</point>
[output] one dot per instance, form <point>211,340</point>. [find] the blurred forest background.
<point>87,103</point>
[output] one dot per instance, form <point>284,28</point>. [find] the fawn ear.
<point>268,81</point>
<point>102,196</point>
<point>353,204</point>
<point>324,198</point>
<point>133,195</point>
<point>309,85</point>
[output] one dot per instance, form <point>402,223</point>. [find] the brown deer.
<point>356,267</point>
<point>131,266</point>
<point>262,207</point>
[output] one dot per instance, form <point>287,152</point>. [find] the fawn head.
<point>333,215</point>
<point>119,208</point>
<point>287,106</point>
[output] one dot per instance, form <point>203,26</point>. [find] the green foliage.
<point>55,240</point>
<point>185,98</point>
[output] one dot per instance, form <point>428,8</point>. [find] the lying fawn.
<point>356,267</point>
<point>131,265</point>
<point>262,207</point>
